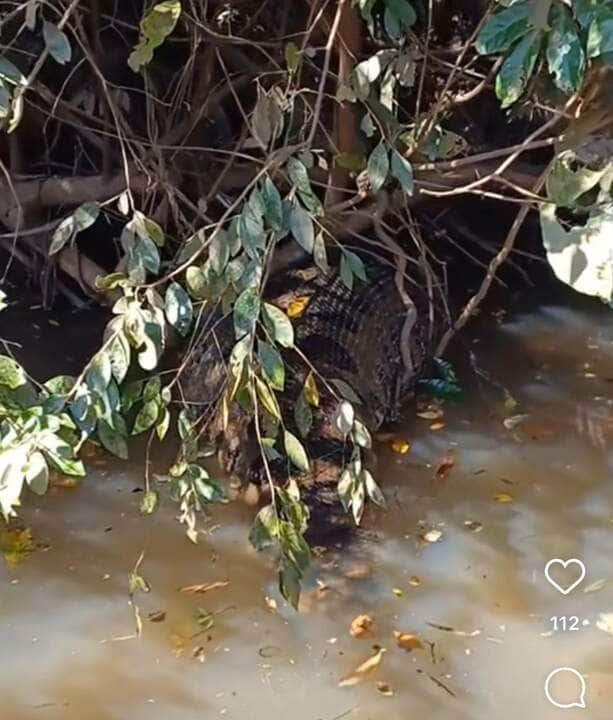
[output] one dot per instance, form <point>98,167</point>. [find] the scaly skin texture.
<point>351,335</point>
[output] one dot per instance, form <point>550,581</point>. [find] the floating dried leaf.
<point>400,446</point>
<point>415,581</point>
<point>503,498</point>
<point>408,641</point>
<point>398,592</point>
<point>473,525</point>
<point>204,587</point>
<point>361,626</point>
<point>445,466</point>
<point>157,616</point>
<point>385,689</point>
<point>363,669</point>
<point>435,427</point>
<point>432,536</point>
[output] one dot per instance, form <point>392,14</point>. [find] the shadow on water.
<point>481,606</point>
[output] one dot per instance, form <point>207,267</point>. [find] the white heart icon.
<point>565,564</point>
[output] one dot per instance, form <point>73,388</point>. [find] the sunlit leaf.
<point>565,55</point>
<point>295,451</point>
<point>363,669</point>
<point>517,69</point>
<point>155,27</point>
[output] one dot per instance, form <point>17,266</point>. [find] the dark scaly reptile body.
<point>351,335</point>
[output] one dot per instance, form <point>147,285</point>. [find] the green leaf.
<point>600,35</point>
<point>149,503</point>
<point>178,308</point>
<point>119,355</point>
<point>293,58</point>
<point>360,435</point>
<point>513,77</point>
<point>355,264</point>
<point>5,101</point>
<point>299,175</point>
<point>155,27</point>
<point>295,451</point>
<point>272,365</point>
<point>504,28</point>
<point>146,417</point>
<point>565,55</point>
<point>265,528</point>
<point>344,417</point>
<point>567,180</point>
<point>378,167</point>
<point>153,340</point>
<point>346,391</point>
<point>196,282</point>
<point>99,374</point>
<point>319,253</point>
<point>402,170</point>
<point>112,440</point>
<point>11,373</point>
<point>37,473</point>
<point>219,252</point>
<point>303,415</point>
<point>57,43</point>
<point>279,325</point>
<point>398,17</point>
<point>246,312</point>
<point>273,205</point>
<point>61,454</point>
<point>289,583</point>
<point>372,489</point>
<point>251,230</point>
<point>163,424</point>
<point>301,226</point>
<point>11,73</point>
<point>268,399</point>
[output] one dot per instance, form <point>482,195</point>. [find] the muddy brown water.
<point>67,645</point>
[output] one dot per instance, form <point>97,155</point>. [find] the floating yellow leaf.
<point>400,446</point>
<point>15,545</point>
<point>298,306</point>
<point>407,641</point>
<point>398,592</point>
<point>503,497</point>
<point>414,581</point>
<point>203,588</point>
<point>361,626</point>
<point>366,667</point>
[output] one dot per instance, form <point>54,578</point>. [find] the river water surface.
<point>518,495</point>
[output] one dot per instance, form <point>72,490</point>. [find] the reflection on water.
<point>517,496</point>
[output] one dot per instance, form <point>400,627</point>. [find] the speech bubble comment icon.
<point>567,676</point>
<point>573,564</point>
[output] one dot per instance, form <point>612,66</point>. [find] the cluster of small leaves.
<point>155,27</point>
<point>569,37</point>
<point>356,482</point>
<point>13,82</point>
<point>283,524</point>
